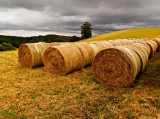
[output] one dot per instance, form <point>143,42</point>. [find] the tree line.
<point>12,42</point>
<point>17,41</point>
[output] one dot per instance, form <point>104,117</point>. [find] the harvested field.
<point>34,93</point>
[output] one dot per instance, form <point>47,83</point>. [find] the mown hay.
<point>97,46</point>
<point>137,40</point>
<point>131,38</point>
<point>63,59</point>
<point>153,46</point>
<point>158,42</point>
<point>101,43</point>
<point>115,42</point>
<point>142,52</point>
<point>107,44</point>
<point>117,66</point>
<point>31,55</point>
<point>126,42</point>
<point>146,48</point>
<point>87,51</point>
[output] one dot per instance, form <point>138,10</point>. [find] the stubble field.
<point>35,93</point>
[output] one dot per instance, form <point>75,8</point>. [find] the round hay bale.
<point>130,42</point>
<point>107,44</point>
<point>153,46</point>
<point>126,42</point>
<point>99,43</point>
<point>143,48</point>
<point>123,42</point>
<point>141,51</point>
<point>131,39</point>
<point>63,59</point>
<point>117,66</point>
<point>87,51</point>
<point>144,39</point>
<point>146,48</point>
<point>115,42</point>
<point>31,55</point>
<point>158,42</point>
<point>137,41</point>
<point>46,45</point>
<point>96,46</point>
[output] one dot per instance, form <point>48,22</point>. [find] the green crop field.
<point>131,33</point>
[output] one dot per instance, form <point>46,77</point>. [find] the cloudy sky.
<point>65,17</point>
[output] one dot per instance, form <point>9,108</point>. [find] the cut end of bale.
<point>25,56</point>
<point>54,61</point>
<point>113,67</point>
<point>63,59</point>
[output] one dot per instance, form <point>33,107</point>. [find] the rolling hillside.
<point>34,93</point>
<point>131,33</point>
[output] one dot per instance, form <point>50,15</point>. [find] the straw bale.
<point>63,59</point>
<point>87,51</point>
<point>142,52</point>
<point>31,55</point>
<point>117,66</point>
<point>153,46</point>
<point>97,46</point>
<point>115,42</point>
<point>158,42</point>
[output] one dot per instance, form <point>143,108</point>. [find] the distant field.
<point>35,93</point>
<point>131,33</point>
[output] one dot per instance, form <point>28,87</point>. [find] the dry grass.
<point>34,93</point>
<point>131,33</point>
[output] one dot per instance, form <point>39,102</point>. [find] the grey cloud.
<point>67,16</point>
<point>27,4</point>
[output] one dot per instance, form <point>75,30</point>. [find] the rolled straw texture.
<point>145,47</point>
<point>141,51</point>
<point>97,46</point>
<point>99,43</point>
<point>131,38</point>
<point>153,46</point>
<point>31,55</point>
<point>130,42</point>
<point>107,44</point>
<point>87,51</point>
<point>63,59</point>
<point>126,42</point>
<point>144,39</point>
<point>115,42</point>
<point>158,42</point>
<point>137,41</point>
<point>117,66</point>
<point>46,45</point>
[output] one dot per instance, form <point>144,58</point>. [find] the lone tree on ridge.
<point>86,30</point>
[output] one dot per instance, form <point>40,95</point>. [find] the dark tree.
<point>86,30</point>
